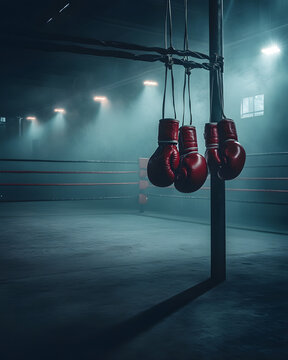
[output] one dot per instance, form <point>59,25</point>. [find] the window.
<point>252,106</point>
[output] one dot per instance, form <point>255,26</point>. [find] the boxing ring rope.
<point>148,194</point>
<point>64,172</point>
<point>71,161</point>
<point>262,178</point>
<point>143,182</point>
<point>268,154</point>
<point>266,166</point>
<point>68,184</point>
<point>247,190</point>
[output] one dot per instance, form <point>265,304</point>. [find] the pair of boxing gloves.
<point>186,168</point>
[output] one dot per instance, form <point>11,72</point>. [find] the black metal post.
<point>218,223</point>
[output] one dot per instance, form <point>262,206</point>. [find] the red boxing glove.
<point>165,160</point>
<point>231,152</point>
<point>212,144</point>
<point>192,171</point>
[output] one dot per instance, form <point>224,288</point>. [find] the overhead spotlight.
<point>150,83</point>
<point>100,98</point>
<point>271,50</point>
<point>59,110</point>
<point>32,118</point>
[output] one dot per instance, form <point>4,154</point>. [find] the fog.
<point>129,121</point>
<point>126,126</point>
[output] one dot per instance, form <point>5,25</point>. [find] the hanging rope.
<point>216,75</point>
<point>169,60</point>
<point>212,92</point>
<point>187,71</point>
<point>220,87</point>
<point>164,95</point>
<point>183,98</point>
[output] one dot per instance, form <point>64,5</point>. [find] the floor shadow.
<point>83,342</point>
<point>111,338</point>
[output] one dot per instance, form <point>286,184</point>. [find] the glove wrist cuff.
<point>171,142</point>
<point>227,130</point>
<point>212,146</point>
<point>187,140</point>
<point>168,131</point>
<point>211,136</point>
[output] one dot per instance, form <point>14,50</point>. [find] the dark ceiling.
<point>33,80</point>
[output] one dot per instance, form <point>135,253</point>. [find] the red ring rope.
<point>260,190</point>
<point>265,154</point>
<point>256,190</point>
<point>265,166</point>
<point>65,172</point>
<point>72,161</point>
<point>70,184</point>
<point>115,172</point>
<point>262,178</point>
<point>75,199</point>
<point>231,189</point>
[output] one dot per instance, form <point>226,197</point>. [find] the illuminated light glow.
<point>100,98</point>
<point>49,20</point>
<point>31,118</point>
<point>64,7</point>
<point>150,83</point>
<point>59,110</point>
<point>274,49</point>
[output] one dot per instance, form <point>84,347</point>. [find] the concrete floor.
<point>80,283</point>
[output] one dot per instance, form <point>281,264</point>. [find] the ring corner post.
<point>218,216</point>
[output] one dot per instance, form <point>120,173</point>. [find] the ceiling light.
<point>271,50</point>
<point>59,110</point>
<point>31,118</point>
<point>100,98</point>
<point>150,83</point>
